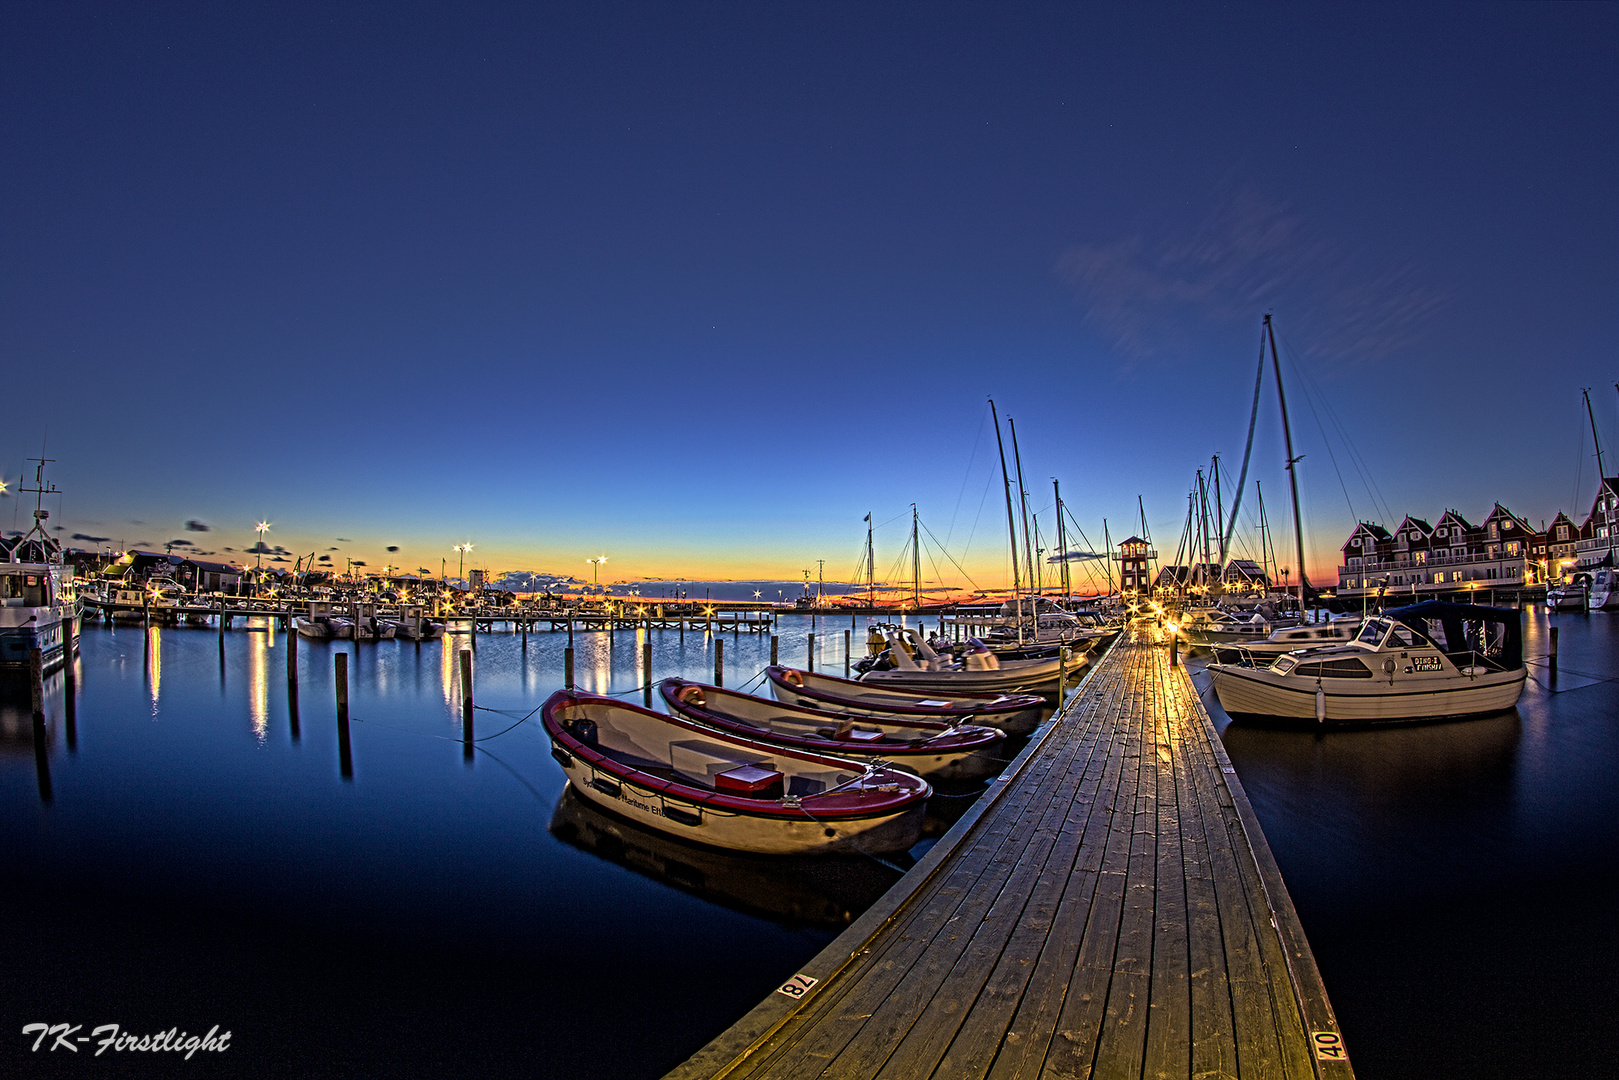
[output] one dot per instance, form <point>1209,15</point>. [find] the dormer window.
<point>1439,532</point>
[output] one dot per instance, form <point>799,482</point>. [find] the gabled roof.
<point>1451,517</point>
<point>1371,529</point>
<point>1414,523</point>
<point>1132,540</point>
<point>1500,512</point>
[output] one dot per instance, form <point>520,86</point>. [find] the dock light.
<point>1173,628</point>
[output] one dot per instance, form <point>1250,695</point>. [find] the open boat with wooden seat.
<point>931,672</point>
<point>1015,714</point>
<point>692,781</point>
<point>929,748</point>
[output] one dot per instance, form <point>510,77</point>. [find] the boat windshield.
<point>1373,632</point>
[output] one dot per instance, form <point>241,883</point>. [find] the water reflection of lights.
<point>154,663</point>
<point>447,673</point>
<point>258,688</point>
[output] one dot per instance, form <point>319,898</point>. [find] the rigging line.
<point>982,419</point>
<point>990,479</point>
<point>1089,565</point>
<point>938,576</point>
<point>1309,399</point>
<point>947,555</point>
<point>1368,481</point>
<point>1248,450</point>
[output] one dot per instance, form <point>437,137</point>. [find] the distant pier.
<point>1110,908</point>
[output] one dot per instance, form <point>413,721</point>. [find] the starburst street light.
<point>261,528</point>
<point>595,571</point>
<point>463,549</point>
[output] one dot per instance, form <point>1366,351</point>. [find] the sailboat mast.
<point>871,569</point>
<point>1203,522</point>
<point>1107,546</point>
<point>1292,475</point>
<point>1062,544</point>
<point>1011,523</point>
<point>916,567</point>
<point>1146,534</point>
<point>1264,536</point>
<point>1602,472</point>
<point>1023,500</point>
<point>1219,512</point>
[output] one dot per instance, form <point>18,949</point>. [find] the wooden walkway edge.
<point>1109,908</point>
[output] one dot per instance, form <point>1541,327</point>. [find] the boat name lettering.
<point>624,796</point>
<point>1425,663</point>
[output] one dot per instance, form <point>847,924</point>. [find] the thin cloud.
<point>1154,292</point>
<point>197,526</point>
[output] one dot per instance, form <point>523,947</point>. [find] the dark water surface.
<point>199,862</point>
<point>1457,879</point>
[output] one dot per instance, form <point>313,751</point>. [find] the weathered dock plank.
<point>1109,909</point>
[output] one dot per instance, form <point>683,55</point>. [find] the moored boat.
<point>1291,639</point>
<point>1015,714</point>
<point>39,610</point>
<point>943,675</point>
<point>937,751</point>
<point>701,784</point>
<point>1421,662</point>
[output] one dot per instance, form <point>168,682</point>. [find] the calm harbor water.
<point>200,860</point>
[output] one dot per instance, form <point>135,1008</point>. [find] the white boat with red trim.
<point>1015,714</point>
<point>929,748</point>
<point>695,782</point>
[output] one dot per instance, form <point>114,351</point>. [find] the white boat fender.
<point>1320,703</point>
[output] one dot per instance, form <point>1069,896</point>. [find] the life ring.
<point>794,678</point>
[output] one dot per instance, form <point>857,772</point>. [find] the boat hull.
<point>1038,675</point>
<point>629,766</point>
<point>1262,693</point>
<point>1015,714</point>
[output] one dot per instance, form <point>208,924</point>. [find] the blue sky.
<point>698,286</point>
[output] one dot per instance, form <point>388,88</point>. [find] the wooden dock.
<point>1110,909</point>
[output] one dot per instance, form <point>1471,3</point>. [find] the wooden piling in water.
<point>466,702</point>
<point>847,636</point>
<point>646,671</point>
<point>1552,657</point>
<point>774,643</point>
<point>222,620</point>
<point>345,755</point>
<point>36,685</point>
<point>811,652</point>
<point>719,661</point>
<point>70,686</point>
<point>567,661</point>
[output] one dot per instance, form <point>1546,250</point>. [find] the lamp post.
<point>595,572</point>
<point>461,573</point>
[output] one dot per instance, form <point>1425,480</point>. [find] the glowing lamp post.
<point>595,572</point>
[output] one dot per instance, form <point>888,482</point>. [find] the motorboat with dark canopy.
<point>1420,662</point>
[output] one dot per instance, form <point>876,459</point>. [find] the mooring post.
<point>42,760</point>
<point>345,756</point>
<point>719,661</point>
<point>36,686</point>
<point>1062,673</point>
<point>523,625</point>
<point>1553,657</point>
<point>222,619</point>
<point>567,665</point>
<point>475,629</point>
<point>70,686</point>
<point>466,703</point>
<point>646,671</point>
<point>1174,649</point>
<point>774,643</point>
<point>847,635</point>
<point>811,652</point>
<point>292,663</point>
